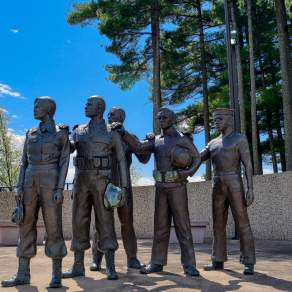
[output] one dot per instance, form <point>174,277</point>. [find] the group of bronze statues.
<point>103,157</point>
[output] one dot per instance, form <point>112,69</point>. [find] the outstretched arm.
<point>141,147</point>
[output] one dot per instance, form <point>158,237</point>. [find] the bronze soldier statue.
<point>95,145</point>
<point>176,158</point>
<point>43,171</point>
<point>125,213</point>
<point>226,153</point>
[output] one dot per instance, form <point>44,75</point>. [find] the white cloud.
<point>6,90</point>
<point>195,178</point>
<point>14,30</point>
<point>267,171</point>
<point>3,110</point>
<point>144,181</point>
<point>17,139</point>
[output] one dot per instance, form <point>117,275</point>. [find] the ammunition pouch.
<point>94,163</point>
<point>166,176</point>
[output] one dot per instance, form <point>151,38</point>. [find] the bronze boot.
<point>23,274</point>
<point>151,268</point>
<point>248,269</point>
<point>96,261</point>
<point>56,274</point>
<point>214,266</point>
<point>134,263</point>
<point>110,265</point>
<point>78,269</point>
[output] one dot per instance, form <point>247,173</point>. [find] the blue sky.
<point>40,54</point>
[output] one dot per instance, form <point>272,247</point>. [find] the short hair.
<point>51,104</point>
<point>121,112</point>
<point>168,111</point>
<point>99,100</point>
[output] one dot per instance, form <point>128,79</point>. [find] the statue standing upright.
<point>176,158</point>
<point>43,171</point>
<point>227,152</point>
<point>125,213</point>
<point>95,144</point>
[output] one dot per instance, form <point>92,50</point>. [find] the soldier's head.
<point>166,118</point>
<point>116,115</point>
<point>223,118</point>
<point>95,106</point>
<point>44,107</point>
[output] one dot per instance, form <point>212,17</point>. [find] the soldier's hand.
<point>150,136</point>
<point>249,197</point>
<point>183,173</point>
<point>58,196</point>
<point>117,126</point>
<point>123,202</point>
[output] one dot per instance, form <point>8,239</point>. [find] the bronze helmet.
<point>181,157</point>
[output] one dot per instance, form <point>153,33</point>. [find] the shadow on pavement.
<point>260,279</point>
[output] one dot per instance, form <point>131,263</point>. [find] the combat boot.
<point>110,265</point>
<point>191,271</point>
<point>248,269</point>
<point>22,276</point>
<point>134,263</point>
<point>78,269</point>
<point>56,274</point>
<point>96,261</point>
<point>151,268</point>
<point>214,266</point>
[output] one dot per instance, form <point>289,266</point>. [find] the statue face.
<point>114,116</point>
<point>91,108</point>
<point>165,119</point>
<point>40,109</point>
<point>222,122</point>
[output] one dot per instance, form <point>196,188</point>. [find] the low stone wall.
<point>270,215</point>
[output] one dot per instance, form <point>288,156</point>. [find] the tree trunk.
<point>156,87</point>
<point>204,75</point>
<point>255,148</point>
<point>286,72</point>
<point>271,142</point>
<point>281,141</point>
<point>239,69</point>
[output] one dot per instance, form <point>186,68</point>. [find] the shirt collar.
<point>48,126</point>
<point>99,124</point>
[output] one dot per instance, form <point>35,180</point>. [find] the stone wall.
<point>270,215</point>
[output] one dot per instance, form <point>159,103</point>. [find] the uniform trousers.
<point>228,191</point>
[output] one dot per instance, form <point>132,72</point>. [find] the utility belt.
<point>171,176</point>
<point>94,163</point>
<point>40,166</point>
<point>226,173</point>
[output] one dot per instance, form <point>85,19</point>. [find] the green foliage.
<point>127,25</point>
<point>9,157</point>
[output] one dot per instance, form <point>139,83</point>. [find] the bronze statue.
<point>226,153</point>
<point>43,171</point>
<point>125,213</point>
<point>176,158</point>
<point>95,144</point>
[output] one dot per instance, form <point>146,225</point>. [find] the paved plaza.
<point>273,271</point>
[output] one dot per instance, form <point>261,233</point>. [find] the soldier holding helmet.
<point>176,158</point>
